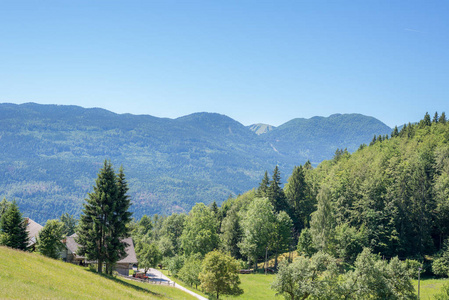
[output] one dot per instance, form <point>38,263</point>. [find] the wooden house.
<point>122,266</point>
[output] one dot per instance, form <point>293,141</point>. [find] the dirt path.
<point>156,275</point>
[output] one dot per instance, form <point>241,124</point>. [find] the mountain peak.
<point>261,128</point>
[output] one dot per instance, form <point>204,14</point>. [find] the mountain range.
<point>50,154</point>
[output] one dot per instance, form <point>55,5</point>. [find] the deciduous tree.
<point>200,232</point>
<point>220,274</point>
<point>50,238</point>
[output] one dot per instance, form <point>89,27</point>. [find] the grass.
<point>429,287</point>
<point>255,286</point>
<point>182,283</point>
<point>32,276</point>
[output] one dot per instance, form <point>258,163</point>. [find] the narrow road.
<point>157,275</point>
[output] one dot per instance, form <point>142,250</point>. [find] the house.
<point>122,266</point>
<point>33,230</point>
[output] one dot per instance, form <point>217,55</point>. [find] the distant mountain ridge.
<point>50,155</point>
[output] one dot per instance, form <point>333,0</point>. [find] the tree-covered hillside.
<point>396,190</point>
<point>317,138</point>
<point>50,155</point>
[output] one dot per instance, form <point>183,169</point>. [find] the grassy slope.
<point>28,275</point>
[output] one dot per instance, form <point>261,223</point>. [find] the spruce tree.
<point>301,203</point>
<point>395,132</point>
<point>403,131</point>
<point>426,121</point>
<point>435,118</point>
<point>442,119</point>
<point>262,191</point>
<point>120,218</point>
<point>104,219</point>
<point>276,193</point>
<point>4,204</point>
<point>13,228</point>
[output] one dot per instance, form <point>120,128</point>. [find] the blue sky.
<point>255,61</point>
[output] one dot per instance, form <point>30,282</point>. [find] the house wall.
<point>122,269</point>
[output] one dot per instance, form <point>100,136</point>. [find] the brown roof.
<point>33,229</point>
<point>130,257</point>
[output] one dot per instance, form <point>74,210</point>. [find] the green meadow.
<point>429,287</point>
<point>32,276</point>
<point>257,286</point>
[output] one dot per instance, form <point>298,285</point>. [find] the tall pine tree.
<point>262,190</point>
<point>276,193</point>
<point>104,218</point>
<point>13,228</point>
<point>120,218</point>
<point>301,202</point>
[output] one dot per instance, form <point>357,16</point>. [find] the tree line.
<point>383,210</point>
<point>391,197</point>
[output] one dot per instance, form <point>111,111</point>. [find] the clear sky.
<point>255,61</point>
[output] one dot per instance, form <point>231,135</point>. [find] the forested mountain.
<point>317,138</point>
<point>50,155</point>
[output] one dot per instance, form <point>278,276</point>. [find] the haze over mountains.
<point>50,154</point>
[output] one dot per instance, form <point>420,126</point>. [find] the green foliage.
<point>148,256</point>
<point>172,228</point>
<point>374,278</point>
<point>318,277</point>
<point>262,190</point>
<point>103,224</point>
<point>219,274</point>
<point>440,265</point>
<point>275,193</point>
<point>281,239</point>
<point>443,294</point>
<point>200,232</point>
<point>175,264</point>
<point>305,243</point>
<point>258,227</point>
<point>323,221</point>
<point>70,223</point>
<point>300,197</point>
<point>314,277</point>
<point>4,204</point>
<point>50,238</point>
<point>414,267</point>
<point>348,242</point>
<point>190,272</point>
<point>13,228</point>
<point>232,233</point>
